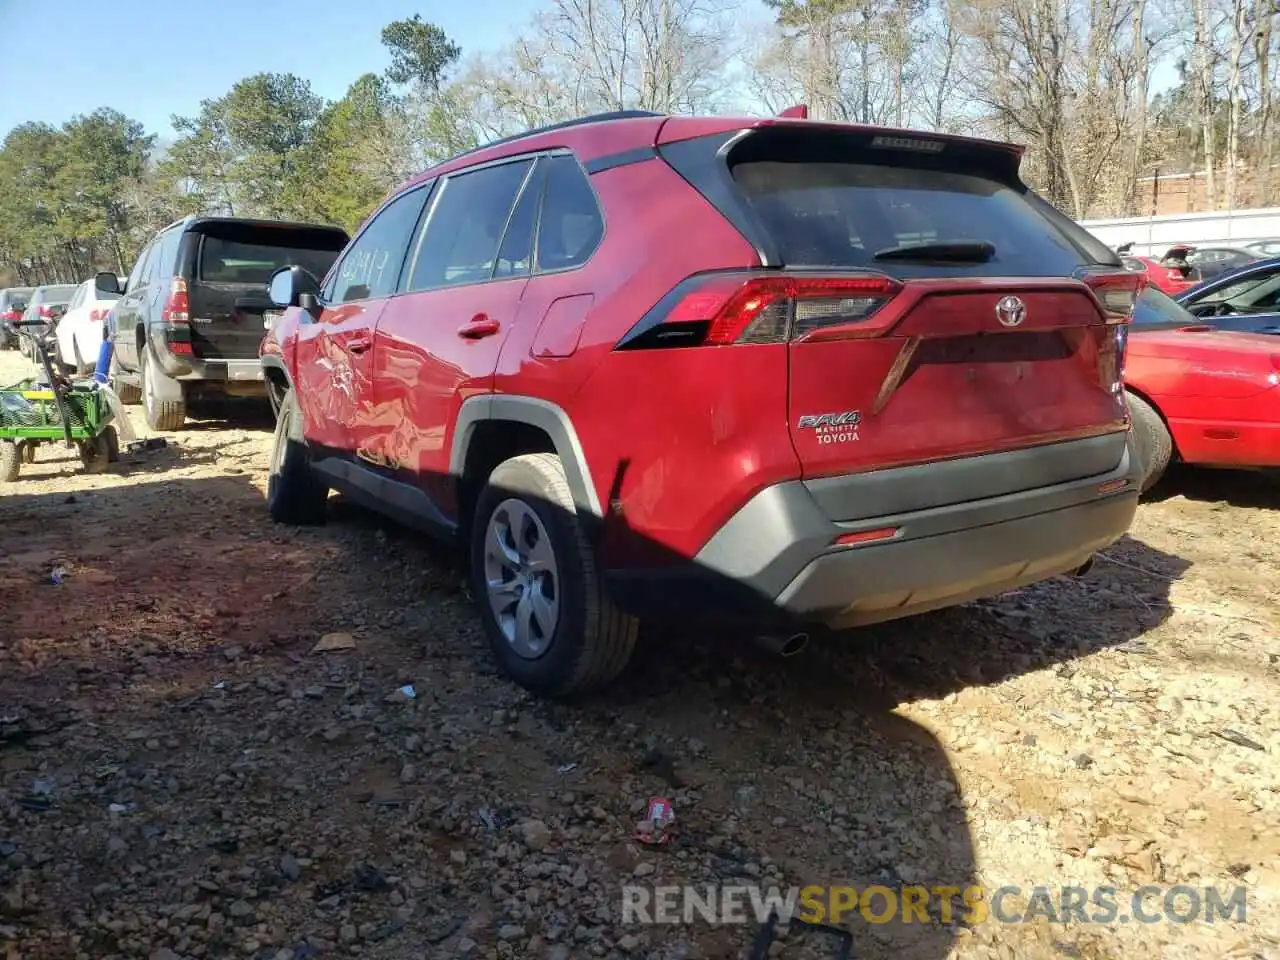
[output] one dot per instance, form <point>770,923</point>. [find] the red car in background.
<point>1199,395</point>
<point>1170,278</point>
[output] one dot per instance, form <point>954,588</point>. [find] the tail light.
<point>1117,292</point>
<point>745,308</point>
<point>176,308</point>
<point>45,312</point>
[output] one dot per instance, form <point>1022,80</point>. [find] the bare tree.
<point>1203,55</point>
<point>1265,13</point>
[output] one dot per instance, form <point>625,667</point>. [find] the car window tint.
<point>515,256</point>
<point>571,226</point>
<point>468,219</point>
<point>166,258</point>
<point>824,212</point>
<point>371,266</point>
<point>1155,309</point>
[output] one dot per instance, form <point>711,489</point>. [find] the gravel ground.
<point>182,775</point>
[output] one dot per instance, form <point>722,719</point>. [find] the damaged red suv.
<point>774,370</point>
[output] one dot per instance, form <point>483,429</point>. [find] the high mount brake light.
<point>724,309</point>
<point>1117,292</point>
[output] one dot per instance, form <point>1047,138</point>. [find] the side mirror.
<point>289,286</point>
<point>106,282</point>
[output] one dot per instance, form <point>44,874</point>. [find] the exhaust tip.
<point>785,644</point>
<point>794,644</point>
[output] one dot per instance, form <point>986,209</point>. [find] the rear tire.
<point>549,622</point>
<point>295,493</point>
<point>1154,442</point>
<point>10,461</point>
<point>160,414</point>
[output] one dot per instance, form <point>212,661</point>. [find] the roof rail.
<point>578,121</point>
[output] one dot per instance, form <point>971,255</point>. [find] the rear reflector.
<point>866,536</point>
<point>744,308</point>
<point>181,347</point>
<point>1111,486</point>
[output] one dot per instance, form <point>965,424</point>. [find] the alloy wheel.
<point>522,579</point>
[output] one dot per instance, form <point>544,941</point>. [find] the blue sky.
<point>154,58</point>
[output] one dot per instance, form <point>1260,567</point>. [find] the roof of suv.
<point>605,134</point>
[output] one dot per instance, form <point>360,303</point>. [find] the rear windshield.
<point>55,294</point>
<point>1154,310</point>
<point>841,214</point>
<point>254,260</point>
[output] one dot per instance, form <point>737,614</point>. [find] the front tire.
<point>551,627</point>
<point>130,394</point>
<point>295,494</point>
<point>1154,442</point>
<point>160,414</point>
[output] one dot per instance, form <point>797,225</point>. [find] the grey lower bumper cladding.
<point>781,543</point>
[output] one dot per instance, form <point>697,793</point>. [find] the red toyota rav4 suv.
<point>771,368</point>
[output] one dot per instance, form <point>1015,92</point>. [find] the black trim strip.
<point>623,159</point>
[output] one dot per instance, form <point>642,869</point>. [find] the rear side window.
<point>166,257</point>
<point>466,226</point>
<point>842,214</point>
<point>571,226</point>
<point>251,255</point>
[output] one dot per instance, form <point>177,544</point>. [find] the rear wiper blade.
<point>960,251</point>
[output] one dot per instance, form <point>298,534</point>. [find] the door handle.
<point>359,344</point>
<point>480,326</point>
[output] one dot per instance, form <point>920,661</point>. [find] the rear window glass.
<point>57,294</point>
<point>841,214</point>
<point>226,260</point>
<point>1154,309</point>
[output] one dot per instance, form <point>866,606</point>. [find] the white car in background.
<point>81,330</point>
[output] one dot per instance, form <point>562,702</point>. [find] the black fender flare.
<point>547,417</point>
<point>272,362</point>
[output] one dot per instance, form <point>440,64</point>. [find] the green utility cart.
<point>33,413</point>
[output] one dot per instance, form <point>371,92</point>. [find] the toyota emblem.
<point>1011,311</point>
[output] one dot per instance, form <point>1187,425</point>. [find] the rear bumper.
<point>776,558</point>
<point>240,377</point>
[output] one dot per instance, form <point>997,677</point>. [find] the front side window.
<point>370,268</point>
